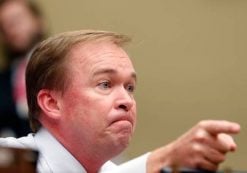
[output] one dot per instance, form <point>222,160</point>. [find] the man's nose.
<point>124,100</point>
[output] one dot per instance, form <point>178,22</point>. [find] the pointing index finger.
<point>215,127</point>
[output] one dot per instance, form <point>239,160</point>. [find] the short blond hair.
<point>47,68</point>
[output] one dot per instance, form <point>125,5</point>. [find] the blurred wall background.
<point>190,57</point>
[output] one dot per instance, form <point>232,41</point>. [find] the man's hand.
<point>204,147</point>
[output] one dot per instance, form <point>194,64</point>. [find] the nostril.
<point>124,107</point>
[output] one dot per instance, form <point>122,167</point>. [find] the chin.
<point>123,141</point>
<point>117,144</point>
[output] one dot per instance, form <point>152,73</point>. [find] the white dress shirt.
<point>54,158</point>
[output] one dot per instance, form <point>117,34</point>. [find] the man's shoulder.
<point>23,142</point>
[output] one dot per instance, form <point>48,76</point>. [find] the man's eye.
<point>104,85</point>
<point>130,88</point>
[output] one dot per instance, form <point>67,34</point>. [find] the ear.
<point>48,101</point>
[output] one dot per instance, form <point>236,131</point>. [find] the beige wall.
<point>190,56</point>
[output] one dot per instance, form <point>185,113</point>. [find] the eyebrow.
<point>112,71</point>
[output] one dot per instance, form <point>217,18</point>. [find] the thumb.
<point>227,141</point>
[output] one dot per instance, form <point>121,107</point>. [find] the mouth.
<point>122,124</point>
<point>122,119</point>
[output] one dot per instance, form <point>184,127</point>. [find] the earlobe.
<point>48,103</point>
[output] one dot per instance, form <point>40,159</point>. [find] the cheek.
<point>73,104</point>
<point>87,108</point>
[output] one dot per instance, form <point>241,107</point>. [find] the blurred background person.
<point>21,27</point>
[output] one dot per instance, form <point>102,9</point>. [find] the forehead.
<point>99,54</point>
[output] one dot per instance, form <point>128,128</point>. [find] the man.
<point>80,88</point>
<point>21,27</point>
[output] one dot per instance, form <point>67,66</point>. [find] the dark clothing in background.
<point>9,119</point>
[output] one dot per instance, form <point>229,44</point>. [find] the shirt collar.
<point>57,158</point>
<point>55,155</point>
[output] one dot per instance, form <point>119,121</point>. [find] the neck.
<point>90,160</point>
<point>91,157</point>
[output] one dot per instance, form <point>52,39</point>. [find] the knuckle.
<point>197,149</point>
<point>201,123</point>
<point>201,136</point>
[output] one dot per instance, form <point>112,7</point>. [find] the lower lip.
<point>123,125</point>
<point>122,122</point>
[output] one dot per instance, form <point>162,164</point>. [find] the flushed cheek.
<point>88,121</point>
<point>76,107</point>
<point>93,113</point>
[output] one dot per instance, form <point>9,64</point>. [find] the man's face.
<point>98,107</point>
<point>18,25</point>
